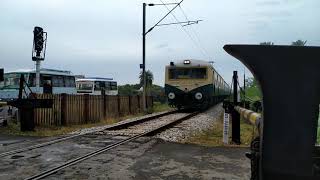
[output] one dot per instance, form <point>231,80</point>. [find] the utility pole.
<point>144,33</point>
<point>144,57</point>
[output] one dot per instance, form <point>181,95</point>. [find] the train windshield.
<point>188,73</point>
<point>11,81</point>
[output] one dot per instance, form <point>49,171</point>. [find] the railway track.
<point>146,132</point>
<point>111,127</point>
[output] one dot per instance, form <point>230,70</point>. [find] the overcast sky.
<point>103,37</point>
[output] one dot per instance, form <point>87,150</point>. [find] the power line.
<point>192,39</point>
<point>197,36</point>
<point>194,31</point>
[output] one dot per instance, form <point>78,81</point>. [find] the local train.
<point>194,84</point>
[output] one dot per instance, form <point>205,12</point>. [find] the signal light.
<point>39,44</point>
<point>38,39</point>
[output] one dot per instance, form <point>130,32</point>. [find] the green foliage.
<point>129,89</point>
<point>267,43</point>
<point>160,107</point>
<point>252,89</point>
<point>134,89</point>
<point>149,78</point>
<point>299,43</point>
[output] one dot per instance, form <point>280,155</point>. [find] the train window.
<point>188,73</point>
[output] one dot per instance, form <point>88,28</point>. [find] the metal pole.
<point>144,56</point>
<point>38,76</point>
<point>235,114</point>
<point>244,83</point>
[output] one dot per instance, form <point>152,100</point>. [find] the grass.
<point>14,128</point>
<point>159,107</point>
<point>213,137</point>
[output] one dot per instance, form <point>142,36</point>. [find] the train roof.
<point>193,62</point>
<point>43,71</point>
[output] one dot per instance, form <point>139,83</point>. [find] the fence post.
<point>118,100</point>
<point>138,103</point>
<point>63,110</point>
<point>130,104</point>
<point>104,106</point>
<point>147,105</point>
<point>152,101</point>
<point>86,108</point>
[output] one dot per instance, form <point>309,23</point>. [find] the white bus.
<point>94,85</point>
<point>51,81</point>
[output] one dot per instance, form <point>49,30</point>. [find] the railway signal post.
<point>38,51</point>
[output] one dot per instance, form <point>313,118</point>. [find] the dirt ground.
<point>145,158</point>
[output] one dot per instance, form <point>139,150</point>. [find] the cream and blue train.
<point>195,84</point>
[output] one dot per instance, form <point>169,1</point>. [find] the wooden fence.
<point>82,109</point>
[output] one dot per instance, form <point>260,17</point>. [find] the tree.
<point>149,78</point>
<point>299,43</point>
<point>129,89</point>
<point>267,43</point>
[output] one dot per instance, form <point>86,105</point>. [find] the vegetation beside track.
<point>14,128</point>
<point>213,136</point>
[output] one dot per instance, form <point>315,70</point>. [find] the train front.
<point>188,84</point>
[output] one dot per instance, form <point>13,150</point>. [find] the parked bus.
<point>95,86</point>
<point>51,81</point>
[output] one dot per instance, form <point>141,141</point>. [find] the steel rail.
<point>112,127</point>
<point>104,149</point>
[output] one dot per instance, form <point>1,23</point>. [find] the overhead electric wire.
<point>192,39</point>
<point>196,35</point>
<point>194,32</point>
<point>170,12</point>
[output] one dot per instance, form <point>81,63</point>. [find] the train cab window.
<point>188,73</point>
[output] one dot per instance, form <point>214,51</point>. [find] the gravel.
<point>197,124</point>
<point>101,128</point>
<point>146,126</point>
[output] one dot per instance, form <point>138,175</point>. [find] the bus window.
<point>102,84</point>
<point>69,81</point>
<point>57,81</point>
<point>97,86</point>
<point>107,85</point>
<point>11,81</point>
<point>113,86</point>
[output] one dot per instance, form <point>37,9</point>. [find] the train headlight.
<point>198,96</point>
<point>171,95</point>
